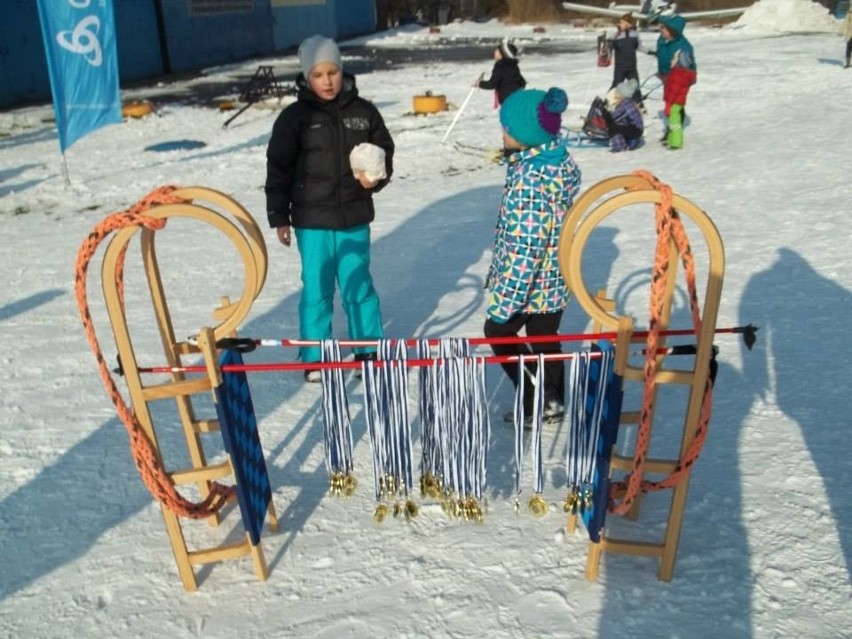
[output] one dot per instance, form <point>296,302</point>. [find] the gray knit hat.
<point>318,49</point>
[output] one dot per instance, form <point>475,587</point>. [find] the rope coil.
<point>144,451</point>
<point>669,229</point>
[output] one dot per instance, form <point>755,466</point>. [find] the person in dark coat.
<point>624,45</point>
<point>506,75</point>
<point>311,188</point>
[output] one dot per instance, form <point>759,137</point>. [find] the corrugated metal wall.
<point>185,38</point>
<point>295,20</point>
<point>355,17</point>
<point>137,39</point>
<point>197,39</point>
<point>23,65</point>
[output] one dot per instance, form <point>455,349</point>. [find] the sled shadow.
<point>713,545</point>
<point>28,303</point>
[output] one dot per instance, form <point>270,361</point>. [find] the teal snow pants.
<point>341,257</point>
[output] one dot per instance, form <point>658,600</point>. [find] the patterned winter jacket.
<point>625,113</point>
<point>524,277</point>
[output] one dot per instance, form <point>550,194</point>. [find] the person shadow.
<point>801,363</point>
<point>794,343</point>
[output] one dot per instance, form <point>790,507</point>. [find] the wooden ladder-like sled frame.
<point>619,192</point>
<point>246,237</point>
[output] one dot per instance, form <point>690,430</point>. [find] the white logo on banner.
<point>83,39</point>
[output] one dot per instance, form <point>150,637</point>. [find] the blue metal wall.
<point>355,17</point>
<point>23,65</point>
<point>188,41</point>
<point>295,20</point>
<point>137,39</point>
<point>196,41</point>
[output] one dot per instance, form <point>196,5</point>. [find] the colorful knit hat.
<point>532,116</point>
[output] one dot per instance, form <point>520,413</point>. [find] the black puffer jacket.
<point>309,181</point>
<point>505,78</point>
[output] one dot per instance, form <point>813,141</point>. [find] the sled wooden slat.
<point>216,210</point>
<point>590,209</point>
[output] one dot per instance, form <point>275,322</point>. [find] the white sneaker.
<point>553,412</point>
<point>313,376</point>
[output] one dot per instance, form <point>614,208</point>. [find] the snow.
<point>786,16</point>
<point>766,544</point>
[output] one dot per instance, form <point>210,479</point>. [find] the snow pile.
<point>786,16</point>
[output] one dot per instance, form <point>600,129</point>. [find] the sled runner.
<point>592,132</point>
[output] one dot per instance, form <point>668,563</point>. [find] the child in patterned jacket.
<point>525,285</point>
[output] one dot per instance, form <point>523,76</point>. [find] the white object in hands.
<point>369,159</point>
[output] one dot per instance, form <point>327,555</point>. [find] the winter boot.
<point>675,136</point>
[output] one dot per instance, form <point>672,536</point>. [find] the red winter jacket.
<point>676,87</point>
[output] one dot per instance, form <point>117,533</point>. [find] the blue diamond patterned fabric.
<point>594,517</point>
<point>242,441</point>
<point>524,277</point>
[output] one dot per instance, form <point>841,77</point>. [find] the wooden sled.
<point>608,197</point>
<point>224,214</point>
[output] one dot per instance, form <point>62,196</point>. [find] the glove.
<point>651,52</point>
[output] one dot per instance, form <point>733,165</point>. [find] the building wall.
<point>200,33</point>
<point>156,37</point>
<point>23,65</point>
<point>295,20</point>
<point>355,17</point>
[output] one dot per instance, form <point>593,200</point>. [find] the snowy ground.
<point>766,546</point>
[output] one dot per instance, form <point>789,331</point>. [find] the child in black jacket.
<point>624,45</point>
<point>311,187</point>
<point>506,76</point>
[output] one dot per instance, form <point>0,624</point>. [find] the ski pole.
<point>652,89</point>
<point>462,108</point>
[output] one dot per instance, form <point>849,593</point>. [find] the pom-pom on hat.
<point>318,49</point>
<point>508,50</point>
<point>533,116</point>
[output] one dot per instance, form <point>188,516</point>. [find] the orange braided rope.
<point>144,452</point>
<point>669,227</point>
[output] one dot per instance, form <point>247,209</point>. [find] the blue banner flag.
<point>79,42</point>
